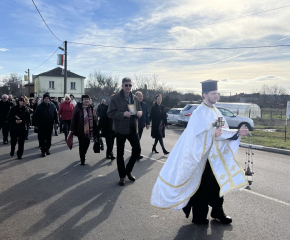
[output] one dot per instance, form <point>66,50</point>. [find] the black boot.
<point>154,149</point>
<point>221,216</point>
<point>83,159</point>
<point>12,153</point>
<point>165,152</point>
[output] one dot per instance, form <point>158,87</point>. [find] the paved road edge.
<point>267,149</point>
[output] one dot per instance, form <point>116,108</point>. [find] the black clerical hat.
<point>209,85</point>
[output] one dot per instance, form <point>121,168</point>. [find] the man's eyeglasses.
<point>128,85</point>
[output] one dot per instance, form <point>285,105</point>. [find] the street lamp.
<point>28,82</point>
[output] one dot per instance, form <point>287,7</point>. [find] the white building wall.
<point>58,90</point>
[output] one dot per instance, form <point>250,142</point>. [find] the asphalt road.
<point>56,198</point>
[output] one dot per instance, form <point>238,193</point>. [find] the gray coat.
<point>117,107</point>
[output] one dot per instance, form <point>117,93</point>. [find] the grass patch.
<point>269,139</point>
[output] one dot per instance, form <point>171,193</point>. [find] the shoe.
<point>221,216</point>
<point>19,157</point>
<point>12,153</point>
<point>108,157</point>
<point>112,157</point>
<point>154,150</point>
<point>83,159</point>
<point>140,157</point>
<point>26,139</point>
<point>200,221</point>
<point>131,177</point>
<point>165,152</point>
<point>5,142</point>
<point>47,152</point>
<point>55,133</point>
<point>43,154</point>
<point>122,182</point>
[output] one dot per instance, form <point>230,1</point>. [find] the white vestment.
<point>181,174</point>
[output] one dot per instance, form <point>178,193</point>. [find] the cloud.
<point>268,78</point>
<point>3,49</point>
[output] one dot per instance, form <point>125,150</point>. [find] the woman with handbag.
<point>84,124</point>
<point>18,120</point>
<point>159,121</point>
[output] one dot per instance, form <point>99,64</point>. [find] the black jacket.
<point>18,113</point>
<point>156,115</point>
<point>4,110</point>
<point>117,107</point>
<point>45,115</point>
<point>144,120</point>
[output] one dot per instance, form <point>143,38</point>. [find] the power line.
<point>47,59</point>
<point>227,20</point>
<point>45,22</point>
<point>181,49</point>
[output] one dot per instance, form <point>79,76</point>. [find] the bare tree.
<point>100,85</point>
<point>13,81</point>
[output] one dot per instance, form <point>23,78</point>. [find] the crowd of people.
<point>198,172</point>
<point>124,118</point>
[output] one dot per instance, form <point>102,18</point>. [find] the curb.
<point>266,149</point>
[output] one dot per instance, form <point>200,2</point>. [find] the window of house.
<point>73,85</point>
<point>51,84</point>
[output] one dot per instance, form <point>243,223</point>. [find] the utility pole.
<point>28,84</point>
<point>65,67</point>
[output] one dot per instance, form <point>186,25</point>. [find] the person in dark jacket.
<point>44,118</point>
<point>5,106</point>
<point>84,125</point>
<point>144,120</point>
<point>125,110</point>
<point>102,109</point>
<point>56,104</point>
<point>106,127</point>
<point>159,121</point>
<point>18,120</point>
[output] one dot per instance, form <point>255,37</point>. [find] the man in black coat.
<point>44,118</point>
<point>5,106</point>
<point>125,110</point>
<point>144,120</point>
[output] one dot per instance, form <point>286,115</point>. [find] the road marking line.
<point>270,198</point>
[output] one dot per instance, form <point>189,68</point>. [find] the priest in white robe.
<point>201,167</point>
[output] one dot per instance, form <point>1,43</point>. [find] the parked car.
<point>233,120</point>
<point>173,115</point>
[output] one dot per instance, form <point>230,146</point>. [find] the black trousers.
<point>84,144</point>
<point>206,195</point>
<point>66,127</point>
<point>133,138</point>
<point>110,138</point>
<point>140,132</point>
<point>44,137</point>
<point>5,131</point>
<point>160,139</point>
<point>19,137</point>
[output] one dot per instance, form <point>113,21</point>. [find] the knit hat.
<point>85,96</point>
<point>46,95</point>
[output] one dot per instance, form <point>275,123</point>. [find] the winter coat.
<point>102,110</point>
<point>66,110</point>
<point>4,110</point>
<point>156,115</point>
<point>45,115</point>
<point>77,121</point>
<point>117,107</point>
<point>106,124</point>
<point>23,114</point>
<point>144,120</point>
<point>56,104</point>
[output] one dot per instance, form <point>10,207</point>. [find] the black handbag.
<point>96,147</point>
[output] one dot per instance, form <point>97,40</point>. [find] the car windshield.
<point>226,112</point>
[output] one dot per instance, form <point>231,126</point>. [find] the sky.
<point>27,43</point>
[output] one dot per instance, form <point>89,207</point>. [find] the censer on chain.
<point>249,166</point>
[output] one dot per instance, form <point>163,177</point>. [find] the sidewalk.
<point>267,149</point>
